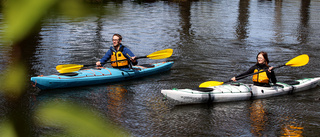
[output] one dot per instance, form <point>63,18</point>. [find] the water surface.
<point>212,40</point>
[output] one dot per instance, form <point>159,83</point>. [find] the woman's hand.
<point>233,79</point>
<point>270,69</point>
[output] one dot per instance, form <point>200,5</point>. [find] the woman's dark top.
<point>270,75</point>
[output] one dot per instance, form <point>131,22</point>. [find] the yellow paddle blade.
<point>67,68</point>
<point>161,54</point>
<point>210,84</point>
<point>298,61</point>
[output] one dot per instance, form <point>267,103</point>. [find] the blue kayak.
<point>97,76</point>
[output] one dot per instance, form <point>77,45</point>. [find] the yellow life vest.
<point>260,77</point>
<point>118,59</point>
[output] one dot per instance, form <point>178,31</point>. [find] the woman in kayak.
<point>263,78</point>
<point>120,56</point>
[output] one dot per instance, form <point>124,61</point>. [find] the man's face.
<point>116,41</point>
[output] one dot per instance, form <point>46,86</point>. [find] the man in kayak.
<point>263,78</point>
<point>121,56</point>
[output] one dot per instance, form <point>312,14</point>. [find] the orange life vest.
<point>118,59</point>
<point>260,77</point>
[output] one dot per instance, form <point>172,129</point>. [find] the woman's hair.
<point>265,56</point>
<point>118,35</point>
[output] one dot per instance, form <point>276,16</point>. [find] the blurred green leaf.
<point>76,121</point>
<point>7,130</point>
<point>74,8</point>
<point>22,15</point>
<point>14,80</point>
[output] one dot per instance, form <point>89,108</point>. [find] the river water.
<point>211,40</point>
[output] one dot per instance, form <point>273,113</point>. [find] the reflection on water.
<point>292,129</point>
<point>261,121</point>
<point>115,96</point>
<point>243,20</point>
<point>278,28</point>
<point>258,117</point>
<point>303,28</point>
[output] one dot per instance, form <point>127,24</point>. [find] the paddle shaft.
<point>161,54</point>
<point>141,57</point>
<point>216,83</point>
<point>114,61</point>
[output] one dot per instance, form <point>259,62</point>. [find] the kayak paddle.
<point>67,68</point>
<point>298,61</point>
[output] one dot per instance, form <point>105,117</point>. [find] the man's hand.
<point>133,59</point>
<point>98,64</point>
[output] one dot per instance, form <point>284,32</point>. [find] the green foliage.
<point>74,8</point>
<point>7,129</point>
<point>21,17</point>
<point>14,80</point>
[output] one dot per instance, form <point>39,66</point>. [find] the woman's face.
<point>261,59</point>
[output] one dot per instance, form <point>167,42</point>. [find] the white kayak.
<point>237,92</point>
